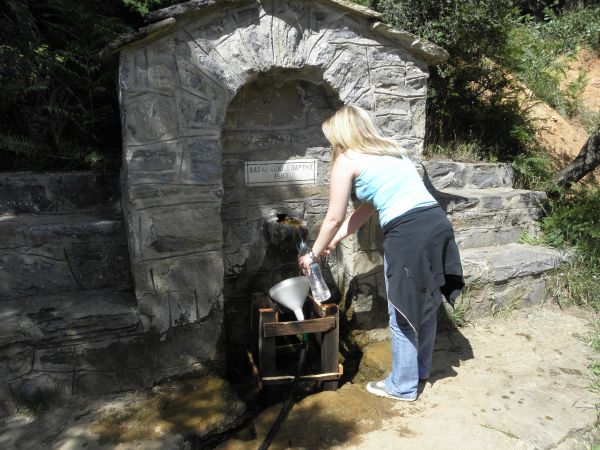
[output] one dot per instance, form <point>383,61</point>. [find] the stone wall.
<point>181,137</point>
<point>69,321</point>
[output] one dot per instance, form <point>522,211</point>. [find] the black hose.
<point>287,405</point>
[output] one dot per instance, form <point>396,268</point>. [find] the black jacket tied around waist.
<point>421,256</point>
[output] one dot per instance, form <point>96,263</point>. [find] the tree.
<point>587,160</point>
<point>469,98</point>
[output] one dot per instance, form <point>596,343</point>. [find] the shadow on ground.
<point>451,348</point>
<point>323,420</point>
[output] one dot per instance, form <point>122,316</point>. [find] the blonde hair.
<point>352,128</point>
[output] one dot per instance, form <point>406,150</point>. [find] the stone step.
<point>50,345</point>
<point>68,318</point>
<point>497,278</point>
<point>92,343</point>
<point>456,175</point>
<point>458,200</point>
<point>496,216</point>
<point>57,193</point>
<point>50,254</point>
<point>506,276</point>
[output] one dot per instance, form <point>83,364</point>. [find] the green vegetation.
<point>506,310</point>
<point>538,54</point>
<point>496,49</point>
<point>574,220</point>
<point>144,6</point>
<point>460,151</point>
<point>59,107</point>
<point>471,98</point>
<point>58,103</point>
<point>458,315</point>
<point>535,170</point>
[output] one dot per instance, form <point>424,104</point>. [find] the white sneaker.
<point>378,388</point>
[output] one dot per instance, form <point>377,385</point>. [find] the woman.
<point>421,260</point>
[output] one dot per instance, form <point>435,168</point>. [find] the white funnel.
<point>291,293</point>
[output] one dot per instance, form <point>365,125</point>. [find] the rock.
<point>375,362</point>
<point>502,263</point>
<point>495,216</point>
<point>51,254</point>
<point>362,338</point>
<point>459,200</point>
<point>60,318</point>
<point>444,175</point>
<point>57,193</point>
<point>505,277</point>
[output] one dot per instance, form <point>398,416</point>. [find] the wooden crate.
<point>322,324</point>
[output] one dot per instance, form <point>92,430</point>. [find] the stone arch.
<point>174,93</point>
<point>275,117</point>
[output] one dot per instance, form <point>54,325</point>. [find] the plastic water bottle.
<point>319,288</point>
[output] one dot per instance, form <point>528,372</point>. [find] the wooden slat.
<point>259,300</point>
<point>298,327</point>
<point>282,379</point>
<point>266,344</point>
<point>262,300</point>
<point>316,307</point>
<point>254,369</point>
<point>330,347</point>
<point>286,349</point>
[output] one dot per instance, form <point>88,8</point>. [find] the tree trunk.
<point>587,160</point>
<point>535,7</point>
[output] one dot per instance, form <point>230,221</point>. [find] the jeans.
<point>411,351</point>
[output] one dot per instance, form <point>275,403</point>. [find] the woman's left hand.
<point>304,263</point>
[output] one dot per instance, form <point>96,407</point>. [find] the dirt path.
<point>520,382</point>
<point>515,382</point>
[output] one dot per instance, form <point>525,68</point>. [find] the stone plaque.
<point>291,171</point>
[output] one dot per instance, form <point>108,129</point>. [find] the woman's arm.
<point>339,193</point>
<point>354,221</point>
<point>340,186</point>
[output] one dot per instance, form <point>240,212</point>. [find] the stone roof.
<point>164,20</point>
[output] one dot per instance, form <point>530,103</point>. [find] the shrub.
<point>534,170</point>
<point>58,103</point>
<point>575,220</point>
<point>460,151</point>
<point>576,283</point>
<point>538,52</point>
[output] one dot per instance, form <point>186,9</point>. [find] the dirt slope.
<point>562,136</point>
